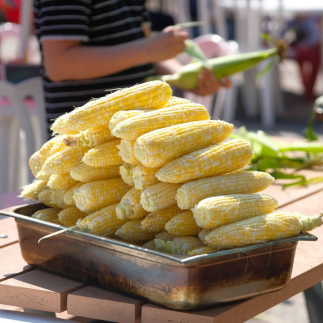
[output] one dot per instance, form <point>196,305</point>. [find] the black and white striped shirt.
<point>94,23</point>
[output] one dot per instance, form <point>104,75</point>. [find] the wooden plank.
<point>38,290</point>
<point>307,271</point>
<point>8,227</point>
<point>11,262</point>
<point>11,317</point>
<point>292,194</point>
<point>101,304</point>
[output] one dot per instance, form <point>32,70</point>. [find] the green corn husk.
<point>187,77</point>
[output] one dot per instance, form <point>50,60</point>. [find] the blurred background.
<point>279,102</point>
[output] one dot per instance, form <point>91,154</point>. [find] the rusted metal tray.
<point>178,282</point>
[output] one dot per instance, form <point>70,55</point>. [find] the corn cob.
<point>149,245</point>
<point>182,245</point>
<point>104,155</point>
<point>183,224</point>
<point>68,197</point>
<point>214,212</point>
<point>124,115</point>
<point>158,147</point>
<point>201,251</point>
<point>130,207</point>
<point>57,198</point>
<point>85,173</point>
<point>126,173</point>
<point>83,224</point>
<point>58,146</point>
<point>37,160</point>
<point>174,100</point>
<point>48,215</point>
<point>45,197</point>
<point>61,181</point>
<point>126,152</point>
<point>32,190</point>
<point>159,196</point>
<point>203,233</point>
<point>105,222</point>
<point>99,194</point>
<point>135,127</point>
<point>165,236</point>
<point>261,228</point>
<point>155,222</point>
<point>244,182</point>
<point>213,160</point>
<point>97,113</point>
<point>144,177</point>
<point>90,137</point>
<point>70,215</point>
<point>133,232</point>
<point>64,161</point>
<point>187,77</point>
<point>41,175</point>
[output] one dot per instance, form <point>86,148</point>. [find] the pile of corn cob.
<point>151,169</point>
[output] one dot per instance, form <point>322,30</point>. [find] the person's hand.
<point>209,84</point>
<point>166,44</point>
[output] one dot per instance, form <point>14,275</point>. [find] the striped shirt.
<point>94,23</point>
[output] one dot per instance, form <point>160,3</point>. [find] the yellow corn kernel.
<point>126,173</point>
<point>144,177</point>
<point>126,152</point>
<point>174,100</point>
<point>99,194</point>
<point>183,224</point>
<point>57,198</point>
<point>214,160</point>
<point>90,137</point>
<point>70,215</point>
<point>133,232</point>
<point>68,197</point>
<point>201,251</point>
<point>124,115</point>
<point>104,155</point>
<point>130,207</point>
<point>105,222</point>
<point>61,181</point>
<point>159,147</point>
<point>244,182</point>
<point>85,173</point>
<point>48,215</point>
<point>64,161</point>
<point>182,245</point>
<point>203,233</point>
<point>41,175</point>
<point>165,236</point>
<point>45,197</point>
<point>260,229</point>
<point>156,221</point>
<point>37,160</point>
<point>214,212</point>
<point>135,127</point>
<point>159,196</point>
<point>149,245</point>
<point>32,190</point>
<point>98,113</point>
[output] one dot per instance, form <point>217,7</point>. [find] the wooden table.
<point>22,286</point>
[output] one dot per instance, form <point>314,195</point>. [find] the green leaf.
<point>267,68</point>
<point>266,37</point>
<point>268,163</point>
<point>195,51</point>
<point>309,147</point>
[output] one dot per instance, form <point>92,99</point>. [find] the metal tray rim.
<point>176,258</point>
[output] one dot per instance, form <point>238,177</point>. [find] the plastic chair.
<point>32,137</point>
<point>226,99</point>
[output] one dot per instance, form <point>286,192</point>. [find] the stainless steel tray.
<point>178,282</point>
